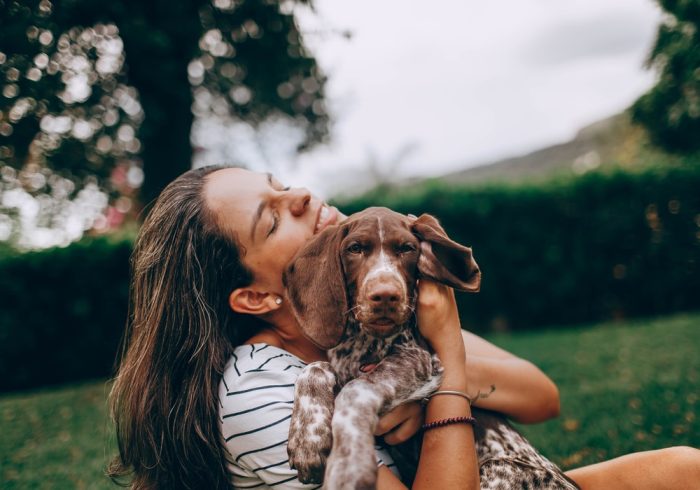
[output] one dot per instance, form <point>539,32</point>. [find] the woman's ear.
<point>248,300</point>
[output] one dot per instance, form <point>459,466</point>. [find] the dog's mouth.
<point>382,320</point>
<point>381,327</point>
<point>382,324</point>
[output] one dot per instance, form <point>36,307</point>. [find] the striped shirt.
<point>256,395</point>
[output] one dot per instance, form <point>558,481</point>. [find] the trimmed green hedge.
<point>62,312</point>
<point>580,250</point>
<point>597,247</point>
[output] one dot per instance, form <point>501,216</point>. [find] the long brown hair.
<point>179,336</point>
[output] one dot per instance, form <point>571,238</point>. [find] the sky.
<point>426,89</point>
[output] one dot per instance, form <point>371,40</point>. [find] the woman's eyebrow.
<point>259,212</point>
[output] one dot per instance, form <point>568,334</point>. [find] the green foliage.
<point>624,388</point>
<point>671,109</point>
<point>62,312</point>
<point>39,59</point>
<point>601,246</point>
<point>142,68</point>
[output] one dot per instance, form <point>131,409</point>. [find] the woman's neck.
<point>287,335</point>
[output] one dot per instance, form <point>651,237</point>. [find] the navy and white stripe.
<point>256,394</point>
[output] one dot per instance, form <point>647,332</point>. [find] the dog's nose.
<point>384,294</point>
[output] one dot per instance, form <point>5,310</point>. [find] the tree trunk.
<point>165,139</point>
<point>157,54</point>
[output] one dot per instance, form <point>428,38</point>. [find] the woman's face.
<point>271,221</point>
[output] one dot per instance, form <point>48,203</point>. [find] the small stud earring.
<point>278,301</point>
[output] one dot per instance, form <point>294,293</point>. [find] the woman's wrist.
<point>454,381</point>
<point>448,406</point>
<point>449,343</point>
<point>450,350</point>
<point>454,374</point>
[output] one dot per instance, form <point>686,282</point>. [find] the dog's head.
<point>367,267</point>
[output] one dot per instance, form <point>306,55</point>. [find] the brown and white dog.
<point>353,291</point>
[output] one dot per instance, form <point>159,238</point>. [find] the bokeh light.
<point>64,101</point>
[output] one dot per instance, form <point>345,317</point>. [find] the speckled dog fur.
<point>407,372</point>
<point>508,461</point>
<point>338,403</point>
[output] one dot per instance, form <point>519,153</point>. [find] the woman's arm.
<point>448,454</point>
<point>523,392</point>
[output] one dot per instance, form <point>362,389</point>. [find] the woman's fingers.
<point>392,419</point>
<point>405,431</point>
<point>401,423</point>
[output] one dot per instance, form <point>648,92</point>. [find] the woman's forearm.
<point>448,454</point>
<point>522,392</point>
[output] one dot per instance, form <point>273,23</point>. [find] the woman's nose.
<point>299,199</point>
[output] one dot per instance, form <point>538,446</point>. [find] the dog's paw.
<point>308,456</point>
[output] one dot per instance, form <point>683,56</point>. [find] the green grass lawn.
<point>624,387</point>
<point>56,438</point>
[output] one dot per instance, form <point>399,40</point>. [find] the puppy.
<point>353,292</point>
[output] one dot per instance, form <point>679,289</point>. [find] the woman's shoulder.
<point>256,395</point>
<point>256,377</point>
<point>261,358</point>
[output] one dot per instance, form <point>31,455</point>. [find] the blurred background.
<point>561,140</point>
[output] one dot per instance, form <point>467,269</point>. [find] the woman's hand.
<point>401,423</point>
<point>437,314</point>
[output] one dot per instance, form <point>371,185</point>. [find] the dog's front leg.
<point>310,436</point>
<point>352,464</point>
<point>409,374</point>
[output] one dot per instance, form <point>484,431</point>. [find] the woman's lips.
<point>327,216</point>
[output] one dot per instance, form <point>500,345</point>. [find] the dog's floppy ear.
<point>443,260</point>
<point>316,288</point>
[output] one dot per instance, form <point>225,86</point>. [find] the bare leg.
<point>676,468</point>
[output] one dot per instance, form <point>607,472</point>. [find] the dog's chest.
<point>359,352</point>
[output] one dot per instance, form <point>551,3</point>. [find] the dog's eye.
<point>405,248</point>
<point>355,248</point>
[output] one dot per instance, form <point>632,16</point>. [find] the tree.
<point>671,109</point>
<point>105,89</point>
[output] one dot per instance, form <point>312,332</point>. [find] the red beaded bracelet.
<point>449,421</point>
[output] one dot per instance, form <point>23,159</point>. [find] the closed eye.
<point>275,223</point>
<point>275,184</point>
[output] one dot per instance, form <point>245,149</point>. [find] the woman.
<point>192,398</point>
